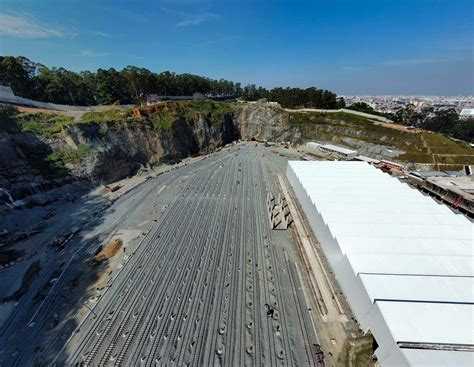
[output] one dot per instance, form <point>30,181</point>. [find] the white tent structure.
<point>333,149</point>
<point>404,262</point>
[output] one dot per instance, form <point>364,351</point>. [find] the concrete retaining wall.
<point>7,96</point>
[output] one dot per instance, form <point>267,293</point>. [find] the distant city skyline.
<point>407,95</point>
<point>369,47</point>
<point>393,103</point>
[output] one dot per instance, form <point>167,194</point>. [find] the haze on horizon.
<point>368,47</point>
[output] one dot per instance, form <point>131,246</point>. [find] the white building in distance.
<point>467,112</point>
<point>335,150</point>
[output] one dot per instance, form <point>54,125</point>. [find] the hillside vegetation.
<point>161,116</point>
<point>54,144</point>
<point>422,147</point>
<point>44,124</point>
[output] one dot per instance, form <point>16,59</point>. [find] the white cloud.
<point>196,19</point>
<point>89,53</point>
<point>27,27</point>
<point>101,34</point>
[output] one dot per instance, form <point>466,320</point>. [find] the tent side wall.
<point>348,280</point>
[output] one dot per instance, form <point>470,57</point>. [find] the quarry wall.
<point>117,150</point>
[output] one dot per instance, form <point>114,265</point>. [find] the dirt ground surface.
<point>23,109</point>
<point>108,251</point>
<point>399,127</point>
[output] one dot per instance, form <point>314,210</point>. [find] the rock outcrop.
<point>267,123</point>
<point>115,150</point>
<point>118,149</point>
<point>19,154</point>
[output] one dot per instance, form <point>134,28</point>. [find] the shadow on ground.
<point>62,285</point>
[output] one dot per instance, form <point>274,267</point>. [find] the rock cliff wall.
<point>266,123</point>
<point>114,151</point>
<point>118,150</point>
<point>17,177</point>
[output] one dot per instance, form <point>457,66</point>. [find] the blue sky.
<point>350,47</point>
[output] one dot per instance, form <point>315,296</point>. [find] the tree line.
<point>295,97</point>
<point>33,80</point>
<point>445,121</point>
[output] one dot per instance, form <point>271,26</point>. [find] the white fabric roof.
<point>418,288</point>
<point>335,148</point>
<point>405,262</point>
<point>438,358</point>
<point>367,159</point>
<point>429,322</point>
<point>339,149</point>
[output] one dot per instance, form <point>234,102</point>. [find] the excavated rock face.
<point>116,150</point>
<point>225,132</point>
<point>265,123</point>
<point>20,176</point>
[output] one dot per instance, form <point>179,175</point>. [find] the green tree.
<point>444,121</point>
<point>111,87</point>
<point>132,84</point>
<point>362,107</point>
<point>13,73</point>
<point>464,129</point>
<point>340,102</point>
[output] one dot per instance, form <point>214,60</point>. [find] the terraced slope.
<point>420,147</point>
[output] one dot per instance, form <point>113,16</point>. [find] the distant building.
<point>467,112</point>
<point>456,192</point>
<point>152,99</point>
<point>261,101</point>
<point>335,150</point>
<point>155,98</point>
<point>390,167</point>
